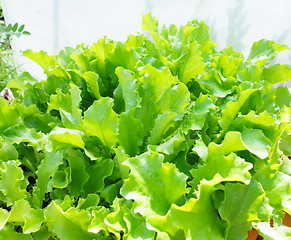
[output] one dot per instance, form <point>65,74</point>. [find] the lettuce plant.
<point>160,137</point>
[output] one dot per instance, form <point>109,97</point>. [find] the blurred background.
<point>55,24</point>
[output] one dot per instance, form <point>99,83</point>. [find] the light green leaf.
<point>263,51</point>
<point>44,173</point>
<point>64,57</point>
<point>91,200</point>
<point>256,142</point>
<point>61,179</point>
<point>137,227</point>
<point>101,121</point>
<point>130,140</point>
<point>9,115</point>
<point>198,218</point>
<point>232,143</point>
<point>191,64</point>
<point>283,97</point>
<point>152,184</point>
<point>212,81</point>
<point>70,121</point>
<point>97,173</point>
<point>21,133</point>
<point>230,168</point>
<point>162,124</point>
<point>42,58</point>
<point>136,41</point>
<point>129,87</point>
<point>249,139</point>
<point>42,234</point>
<point>92,79</point>
<point>102,48</point>
<point>229,64</point>
<point>12,182</point>
<point>81,60</point>
<point>111,192</point>
<point>79,176</point>
<point>277,73</point>
<point>251,73</point>
<point>232,109</point>
<point>239,208</point>
<point>176,100</point>
<point>98,222</point>
<point>172,146</point>
<point>157,82</point>
<point>4,215</point>
<point>196,115</point>
<point>115,219</point>
<point>63,138</point>
<point>277,187</point>
<point>200,148</point>
<point>201,35</point>
<point>124,219</point>
<point>124,56</point>
<point>19,210</point>
<point>264,121</point>
<point>71,224</point>
<point>7,151</point>
<point>33,221</point>
<point>222,160</point>
<point>159,94</point>
<point>149,23</point>
<point>94,148</point>
<point>10,233</point>
<point>68,102</point>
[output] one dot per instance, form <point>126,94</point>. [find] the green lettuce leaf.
<point>152,184</point>
<point>263,51</point>
<point>72,224</point>
<point>240,208</point>
<point>101,121</point>
<point>12,182</point>
<point>231,110</point>
<point>189,218</point>
<point>45,171</point>
<point>277,73</point>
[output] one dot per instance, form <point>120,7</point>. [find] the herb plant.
<point>8,67</point>
<point>161,138</point>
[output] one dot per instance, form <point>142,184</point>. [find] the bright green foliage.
<point>164,137</point>
<point>72,224</point>
<point>152,184</point>
<point>243,201</point>
<point>101,121</point>
<point>197,218</point>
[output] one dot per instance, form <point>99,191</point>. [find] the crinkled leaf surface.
<point>239,208</point>
<point>72,224</point>
<point>153,185</point>
<point>264,50</point>
<point>45,171</point>
<point>12,182</point>
<point>277,73</point>
<point>197,218</point>
<point>222,160</point>
<point>101,121</point>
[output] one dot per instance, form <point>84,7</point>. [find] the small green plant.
<point>8,67</point>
